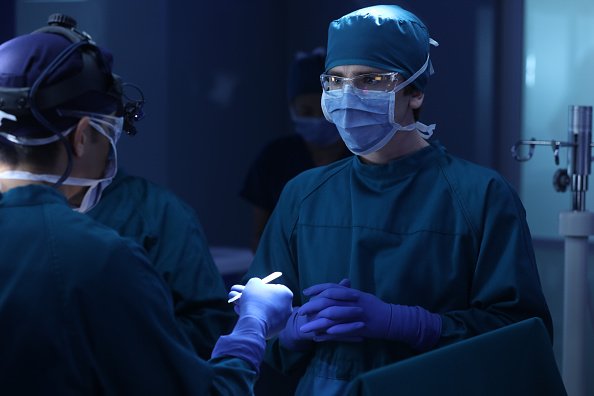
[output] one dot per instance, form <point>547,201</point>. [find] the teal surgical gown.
<point>173,238</point>
<point>427,229</point>
<point>82,312</point>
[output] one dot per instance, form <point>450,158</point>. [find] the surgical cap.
<point>24,58</point>
<point>304,73</point>
<point>385,36</point>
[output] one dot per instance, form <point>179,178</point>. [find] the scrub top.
<point>427,229</point>
<point>280,161</point>
<point>82,312</point>
<point>176,246</point>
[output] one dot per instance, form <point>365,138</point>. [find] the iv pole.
<point>575,226</point>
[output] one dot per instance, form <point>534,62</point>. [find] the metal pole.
<point>576,226</point>
<point>579,131</point>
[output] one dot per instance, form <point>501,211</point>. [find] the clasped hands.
<point>335,312</point>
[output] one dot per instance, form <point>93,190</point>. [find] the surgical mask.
<point>315,130</point>
<point>108,126</point>
<point>365,118</point>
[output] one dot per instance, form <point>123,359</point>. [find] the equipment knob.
<point>61,20</point>
<point>561,180</point>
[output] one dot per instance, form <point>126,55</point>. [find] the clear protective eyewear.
<point>380,82</point>
<point>107,125</point>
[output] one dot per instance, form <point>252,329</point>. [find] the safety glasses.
<point>380,82</point>
<point>107,125</point>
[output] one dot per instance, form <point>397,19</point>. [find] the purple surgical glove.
<point>269,303</point>
<point>293,338</point>
<point>360,314</point>
<point>263,311</point>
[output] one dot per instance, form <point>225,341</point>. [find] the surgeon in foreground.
<point>403,247</point>
<point>82,311</point>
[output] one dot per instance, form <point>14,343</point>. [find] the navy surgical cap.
<point>24,58</point>
<point>385,36</point>
<point>304,73</point>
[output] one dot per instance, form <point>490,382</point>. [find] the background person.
<point>176,246</point>
<point>314,142</point>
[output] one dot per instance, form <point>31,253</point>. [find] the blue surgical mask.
<point>365,119</point>
<point>315,130</point>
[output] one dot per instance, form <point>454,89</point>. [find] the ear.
<point>416,99</point>
<point>80,137</point>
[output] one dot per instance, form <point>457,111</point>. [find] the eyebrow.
<point>359,72</point>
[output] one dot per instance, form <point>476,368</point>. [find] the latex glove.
<point>364,315</point>
<point>269,303</point>
<point>293,338</point>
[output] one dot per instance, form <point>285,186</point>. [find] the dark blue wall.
<point>227,73</point>
<point>214,78</point>
<point>7,20</point>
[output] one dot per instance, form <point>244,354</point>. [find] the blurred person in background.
<point>314,141</point>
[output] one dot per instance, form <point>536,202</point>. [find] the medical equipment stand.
<point>575,226</point>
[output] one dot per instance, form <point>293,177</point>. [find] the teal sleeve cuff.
<point>246,342</point>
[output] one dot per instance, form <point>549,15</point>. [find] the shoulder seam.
<point>458,199</point>
<point>315,188</point>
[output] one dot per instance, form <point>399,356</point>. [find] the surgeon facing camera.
<point>403,247</point>
<point>82,310</point>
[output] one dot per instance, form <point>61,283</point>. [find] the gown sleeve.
<point>176,246</point>
<point>183,258</point>
<point>505,284</point>
<point>136,345</point>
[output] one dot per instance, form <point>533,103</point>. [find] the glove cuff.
<point>416,326</point>
<point>246,342</point>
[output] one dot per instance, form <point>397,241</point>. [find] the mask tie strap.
<point>24,175</point>
<point>421,70</point>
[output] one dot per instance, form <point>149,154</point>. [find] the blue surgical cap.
<point>24,58</point>
<point>304,73</point>
<point>385,36</point>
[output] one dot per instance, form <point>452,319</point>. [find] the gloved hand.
<point>291,337</point>
<point>361,314</point>
<point>269,303</point>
